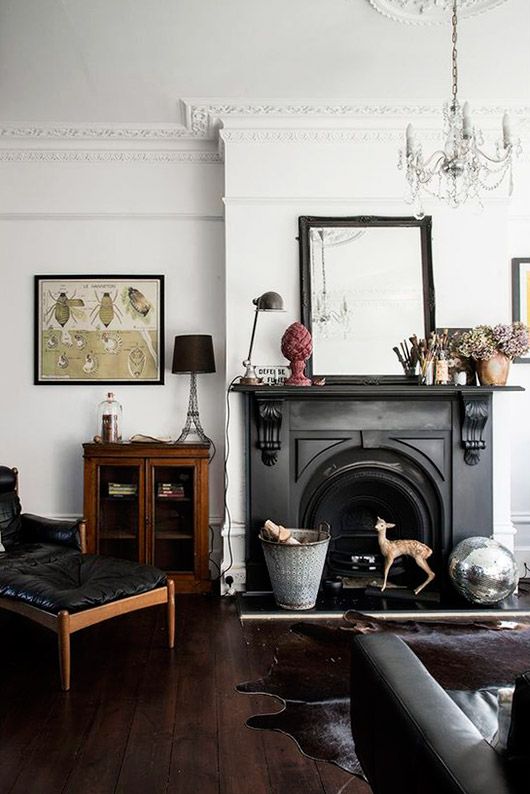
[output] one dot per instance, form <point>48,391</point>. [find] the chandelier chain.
<point>454,22</point>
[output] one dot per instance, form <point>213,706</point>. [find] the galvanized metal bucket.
<point>296,570</point>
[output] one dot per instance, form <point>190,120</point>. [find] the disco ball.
<point>482,570</point>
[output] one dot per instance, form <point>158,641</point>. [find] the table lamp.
<point>193,354</point>
<point>268,302</point>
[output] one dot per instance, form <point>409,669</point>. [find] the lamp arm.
<point>253,334</point>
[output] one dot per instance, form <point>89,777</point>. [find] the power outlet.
<point>234,579</point>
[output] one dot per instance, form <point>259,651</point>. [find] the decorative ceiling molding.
<point>265,135</point>
<point>201,118</point>
<point>85,132</point>
<point>255,121</point>
<point>430,12</point>
<point>105,156</point>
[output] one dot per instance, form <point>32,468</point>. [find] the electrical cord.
<point>226,509</point>
<point>212,456</point>
<point>210,528</point>
<point>227,513</point>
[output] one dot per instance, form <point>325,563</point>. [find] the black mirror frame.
<point>306,223</point>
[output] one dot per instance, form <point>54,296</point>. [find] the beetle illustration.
<point>63,308</point>
<point>106,308</point>
<point>138,301</point>
<point>91,364</point>
<point>136,362</point>
<point>80,341</point>
<point>111,342</point>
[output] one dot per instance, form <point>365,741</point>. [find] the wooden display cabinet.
<point>149,502</point>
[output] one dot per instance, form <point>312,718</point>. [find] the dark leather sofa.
<point>45,576</point>
<point>411,737</point>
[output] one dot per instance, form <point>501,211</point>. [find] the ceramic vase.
<point>494,371</point>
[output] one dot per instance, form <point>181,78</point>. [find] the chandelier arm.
<point>440,157</point>
<point>504,159</point>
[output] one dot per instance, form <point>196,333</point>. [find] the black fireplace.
<point>418,457</point>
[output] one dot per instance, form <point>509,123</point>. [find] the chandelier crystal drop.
<point>462,170</point>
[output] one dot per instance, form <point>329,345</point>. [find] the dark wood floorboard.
<point>141,719</point>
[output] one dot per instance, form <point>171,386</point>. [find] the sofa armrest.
<point>409,735</point>
<point>36,529</point>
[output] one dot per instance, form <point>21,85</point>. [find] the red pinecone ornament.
<point>297,346</point>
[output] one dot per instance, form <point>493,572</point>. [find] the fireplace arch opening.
<point>350,492</point>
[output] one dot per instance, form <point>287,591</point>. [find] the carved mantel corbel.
<point>269,419</point>
<point>476,412</point>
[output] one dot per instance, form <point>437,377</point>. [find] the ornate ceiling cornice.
<point>84,132</point>
<point>22,155</point>
<point>201,119</point>
<point>196,139</point>
<point>430,12</point>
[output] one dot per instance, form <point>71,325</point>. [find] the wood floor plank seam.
<point>172,656</point>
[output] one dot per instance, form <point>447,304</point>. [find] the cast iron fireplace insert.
<point>367,484</point>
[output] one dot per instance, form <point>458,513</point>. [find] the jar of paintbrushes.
<point>428,358</point>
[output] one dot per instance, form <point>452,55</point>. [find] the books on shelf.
<point>122,489</point>
<point>170,490</point>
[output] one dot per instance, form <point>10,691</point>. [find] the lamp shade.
<point>269,302</point>
<point>193,353</point>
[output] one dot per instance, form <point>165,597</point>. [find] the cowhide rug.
<point>311,669</point>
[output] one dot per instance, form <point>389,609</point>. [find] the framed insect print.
<point>99,329</point>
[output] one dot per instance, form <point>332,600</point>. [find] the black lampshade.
<point>193,353</point>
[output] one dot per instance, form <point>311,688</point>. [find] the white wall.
<point>100,217</point>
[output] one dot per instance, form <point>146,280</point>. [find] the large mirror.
<point>366,284</point>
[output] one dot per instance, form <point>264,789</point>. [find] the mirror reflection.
<point>366,285</point>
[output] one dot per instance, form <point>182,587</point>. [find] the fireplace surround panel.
<point>420,456</point>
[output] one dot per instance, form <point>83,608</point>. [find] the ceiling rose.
<point>430,12</point>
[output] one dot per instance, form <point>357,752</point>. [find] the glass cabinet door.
<point>120,490</point>
<point>173,520</point>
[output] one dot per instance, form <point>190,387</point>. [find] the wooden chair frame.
<point>65,623</point>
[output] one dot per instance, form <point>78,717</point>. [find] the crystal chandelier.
<point>461,170</point>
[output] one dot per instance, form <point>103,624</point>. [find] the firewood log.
<point>278,533</point>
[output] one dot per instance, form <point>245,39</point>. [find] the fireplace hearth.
<point>419,457</point>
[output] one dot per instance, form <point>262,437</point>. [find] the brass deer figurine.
<point>390,549</point>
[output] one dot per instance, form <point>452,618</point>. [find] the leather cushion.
<point>8,479</point>
<point>10,521</point>
<point>55,579</point>
<point>481,707</point>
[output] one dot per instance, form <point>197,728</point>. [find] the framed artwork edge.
<point>39,380</point>
<point>516,298</point>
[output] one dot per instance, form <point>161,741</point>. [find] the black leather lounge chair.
<point>45,575</point>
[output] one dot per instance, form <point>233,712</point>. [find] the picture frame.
<point>350,266</point>
<point>521,297</point>
<point>106,329</point>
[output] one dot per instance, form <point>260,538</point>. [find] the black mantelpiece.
<point>296,435</point>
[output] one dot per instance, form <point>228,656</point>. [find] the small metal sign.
<point>272,375</point>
